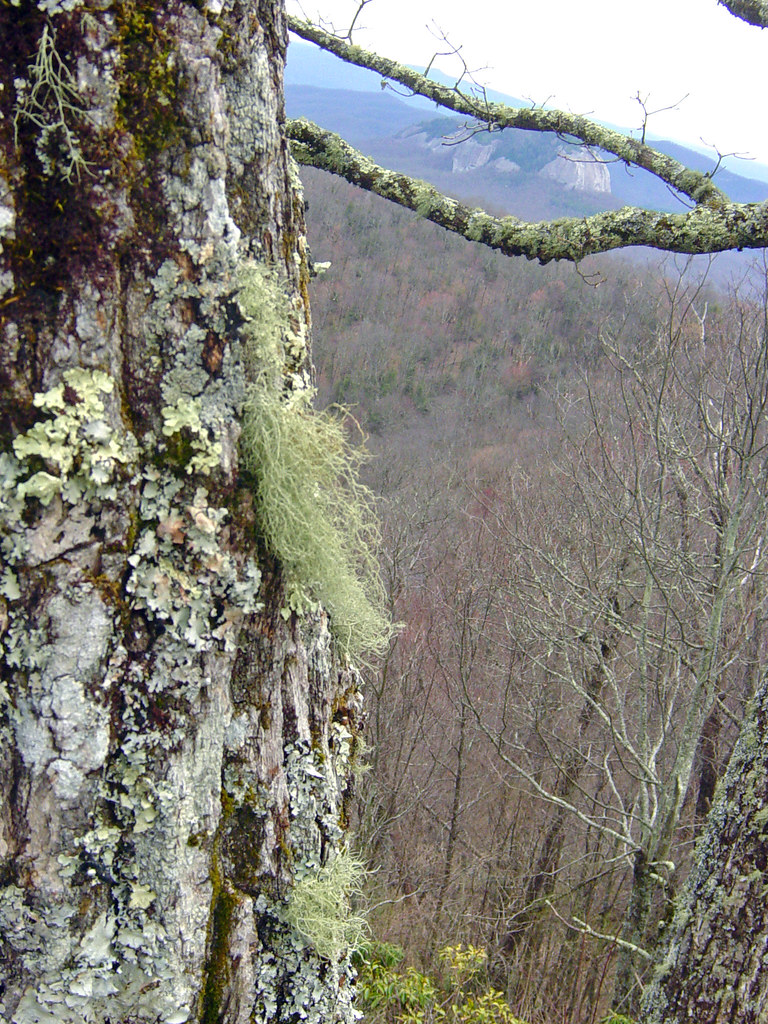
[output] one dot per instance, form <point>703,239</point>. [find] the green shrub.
<point>402,995</point>
<point>458,995</point>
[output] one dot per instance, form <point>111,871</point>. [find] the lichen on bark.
<point>165,731</point>
<point>713,965</point>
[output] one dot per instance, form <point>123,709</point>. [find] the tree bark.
<point>713,969</point>
<point>168,750</point>
<point>754,12</point>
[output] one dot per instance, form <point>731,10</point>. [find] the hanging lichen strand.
<point>315,515</point>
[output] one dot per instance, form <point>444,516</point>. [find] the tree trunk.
<point>627,986</point>
<point>714,968</point>
<point>169,758</point>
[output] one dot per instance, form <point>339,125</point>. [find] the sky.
<point>591,57</point>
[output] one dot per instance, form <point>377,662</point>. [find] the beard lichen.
<point>50,100</point>
<point>320,909</point>
<point>313,512</point>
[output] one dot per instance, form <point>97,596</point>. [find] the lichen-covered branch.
<point>754,12</point>
<point>696,186</point>
<point>705,228</point>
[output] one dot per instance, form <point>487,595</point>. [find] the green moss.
<point>150,82</point>
<point>223,905</point>
<point>149,120</point>
<point>218,966</point>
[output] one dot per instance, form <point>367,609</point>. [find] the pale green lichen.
<point>273,333</point>
<point>313,512</point>
<point>9,585</point>
<point>69,458</point>
<point>315,515</point>
<point>183,419</point>
<point>141,897</point>
<point>320,907</point>
<point>80,449</point>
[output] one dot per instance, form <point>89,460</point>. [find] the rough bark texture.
<point>168,750</point>
<point>754,12</point>
<point>714,968</point>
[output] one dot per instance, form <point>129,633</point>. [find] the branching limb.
<point>700,230</point>
<point>584,929</point>
<point>693,184</point>
<point>358,12</point>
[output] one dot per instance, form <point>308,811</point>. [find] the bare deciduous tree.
<point>641,589</point>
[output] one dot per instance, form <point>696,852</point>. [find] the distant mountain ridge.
<point>524,173</point>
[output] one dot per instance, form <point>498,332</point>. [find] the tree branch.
<point>586,929</point>
<point>696,186</point>
<point>706,228</point>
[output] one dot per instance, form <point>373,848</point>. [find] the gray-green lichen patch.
<point>318,990</point>
<point>61,478</point>
<point>75,444</point>
<point>320,908</point>
<point>188,344</point>
<point>184,416</point>
<point>72,457</point>
<point>310,944</point>
<point>182,570</point>
<point>287,775</point>
<point>61,723</point>
<point>61,720</point>
<point>274,333</point>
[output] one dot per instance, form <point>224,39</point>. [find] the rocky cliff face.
<point>573,168</point>
<point>578,170</point>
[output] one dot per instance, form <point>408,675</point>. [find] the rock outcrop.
<point>578,170</point>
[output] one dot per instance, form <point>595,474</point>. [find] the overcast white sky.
<point>592,57</point>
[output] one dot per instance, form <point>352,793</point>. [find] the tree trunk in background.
<point>714,969</point>
<point>167,751</point>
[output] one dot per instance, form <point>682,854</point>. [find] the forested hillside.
<point>422,331</point>
<point>571,480</point>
